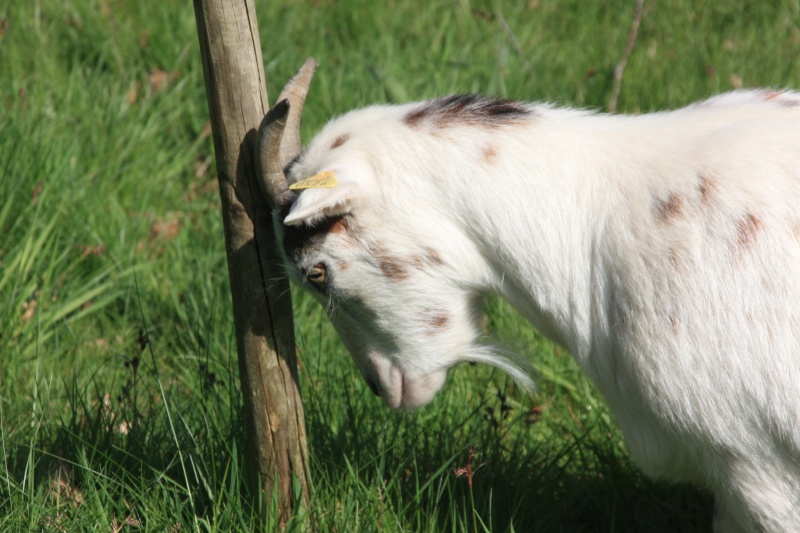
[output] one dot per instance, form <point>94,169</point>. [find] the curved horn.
<point>270,133</point>
<point>295,91</point>
<point>279,135</point>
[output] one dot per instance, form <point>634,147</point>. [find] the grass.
<point>119,406</point>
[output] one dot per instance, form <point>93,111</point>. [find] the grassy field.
<point>119,407</point>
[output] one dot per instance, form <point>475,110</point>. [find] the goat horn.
<point>279,145</point>
<point>295,91</point>
<point>270,132</point>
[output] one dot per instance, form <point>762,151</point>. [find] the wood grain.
<point>262,307</point>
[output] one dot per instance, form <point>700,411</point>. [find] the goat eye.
<point>318,274</point>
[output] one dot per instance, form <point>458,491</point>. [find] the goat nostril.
<point>372,386</point>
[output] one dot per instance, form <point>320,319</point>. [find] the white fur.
<point>662,250</point>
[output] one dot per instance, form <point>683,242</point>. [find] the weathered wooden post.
<point>237,102</point>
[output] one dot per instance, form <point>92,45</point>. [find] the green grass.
<point>118,380</point>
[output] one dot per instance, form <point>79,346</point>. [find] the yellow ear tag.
<point>323,180</point>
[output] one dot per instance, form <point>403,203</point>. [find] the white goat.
<point>663,250</point>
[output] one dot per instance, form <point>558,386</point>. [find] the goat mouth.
<point>399,391</point>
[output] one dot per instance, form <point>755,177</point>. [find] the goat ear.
<point>324,197</point>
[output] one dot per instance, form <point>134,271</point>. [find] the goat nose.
<point>372,386</point>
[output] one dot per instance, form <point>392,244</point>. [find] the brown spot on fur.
<point>400,268</point>
<point>796,231</point>
<point>747,230</point>
<point>705,188</point>
<point>438,321</point>
<point>771,95</point>
<point>342,265</point>
<point>433,321</point>
<point>669,208</point>
<point>340,140</point>
<point>471,110</point>
<point>489,153</point>
<point>393,268</point>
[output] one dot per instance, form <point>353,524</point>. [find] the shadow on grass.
<point>414,471</point>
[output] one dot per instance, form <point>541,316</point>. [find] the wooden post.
<point>262,307</point>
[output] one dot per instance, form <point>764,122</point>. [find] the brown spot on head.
<point>469,109</point>
<point>705,187</point>
<point>796,231</point>
<point>340,140</point>
<point>398,268</point>
<point>669,208</point>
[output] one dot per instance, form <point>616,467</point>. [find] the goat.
<point>662,250</point>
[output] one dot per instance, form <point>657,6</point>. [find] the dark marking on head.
<point>668,209</point>
<point>399,268</point>
<point>340,140</point>
<point>747,230</point>
<point>296,238</point>
<point>473,110</point>
<point>705,187</point>
<point>342,265</point>
<point>433,321</point>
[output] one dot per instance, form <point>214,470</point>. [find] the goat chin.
<point>403,391</point>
